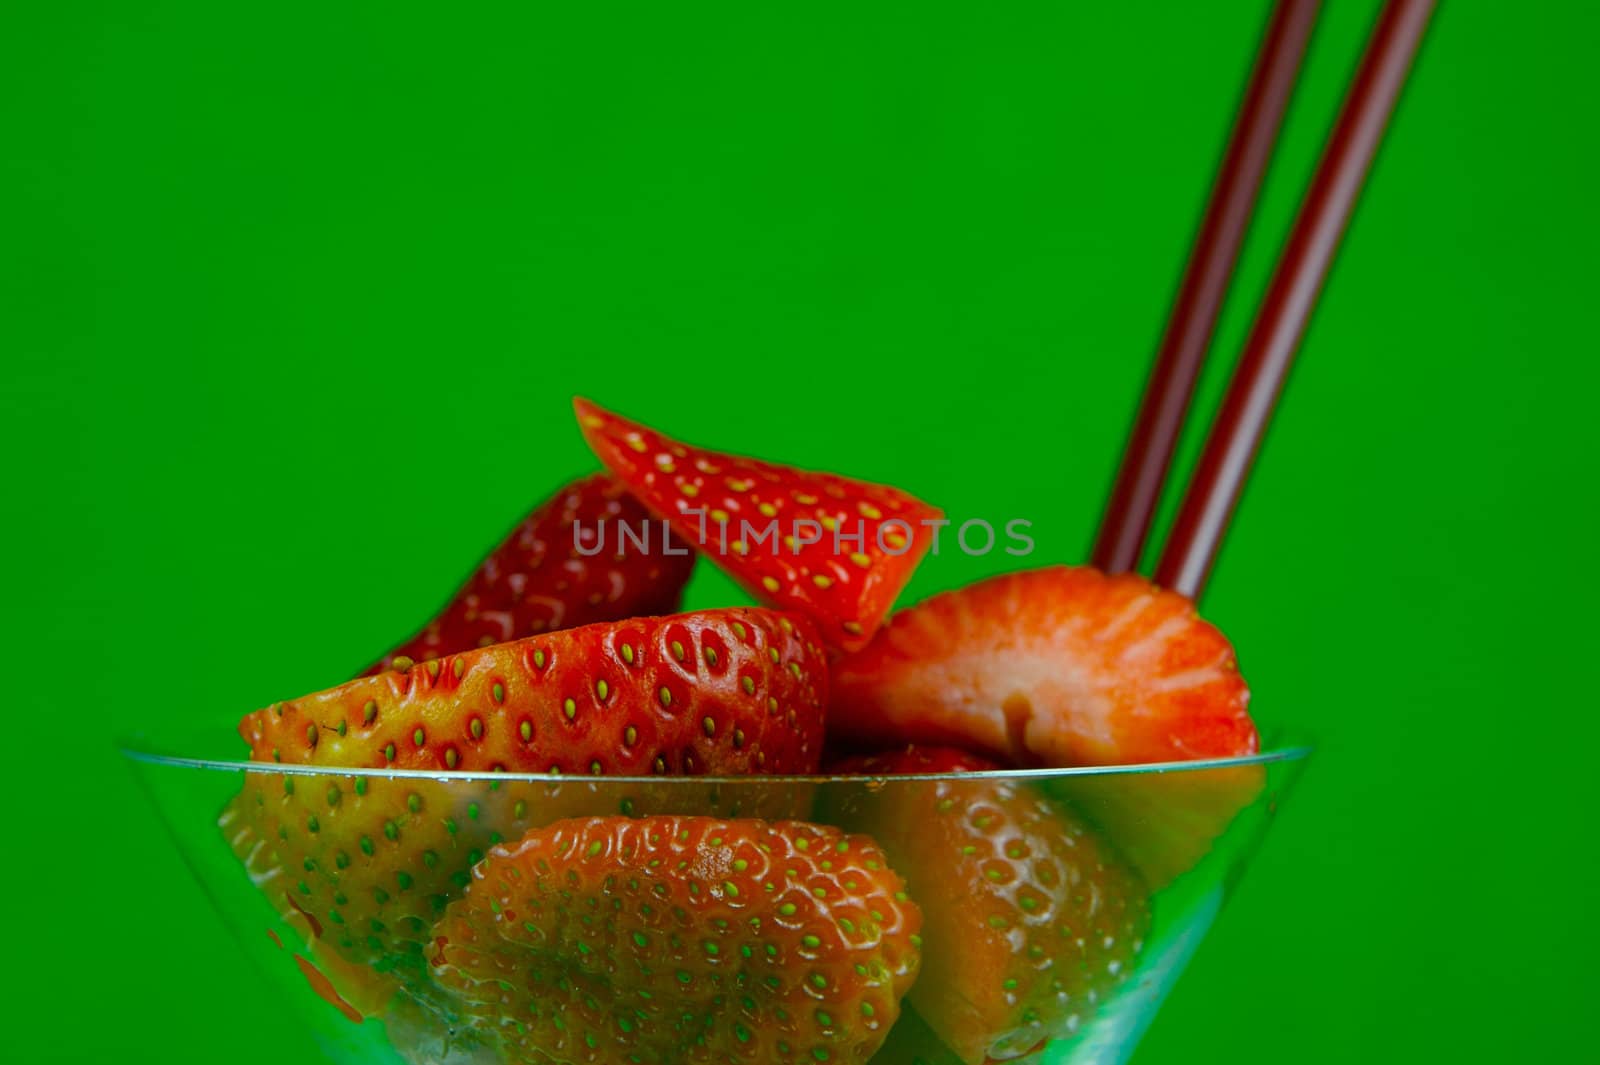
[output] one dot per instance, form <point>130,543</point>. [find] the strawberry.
<point>375,859</point>
<point>538,580</point>
<point>731,691</point>
<point>1061,666</point>
<point>681,939</point>
<point>367,862</point>
<point>832,548</point>
<point>1066,666</point>
<point>1031,920</point>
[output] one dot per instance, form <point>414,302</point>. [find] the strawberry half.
<point>366,864</point>
<point>835,549</point>
<point>373,861</point>
<point>538,579</point>
<point>1030,920</point>
<point>729,691</point>
<point>682,939</point>
<point>1061,666</point>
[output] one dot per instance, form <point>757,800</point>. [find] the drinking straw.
<point>1193,318</point>
<point>1274,338</point>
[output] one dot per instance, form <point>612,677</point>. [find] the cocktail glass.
<point>1187,829</point>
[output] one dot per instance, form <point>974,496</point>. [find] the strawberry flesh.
<point>681,939</point>
<point>835,549</point>
<point>1031,921</point>
<point>1061,666</point>
<point>538,580</point>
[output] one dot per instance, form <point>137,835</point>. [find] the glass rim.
<point>134,750</point>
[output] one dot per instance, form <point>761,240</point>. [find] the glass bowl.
<point>1049,910</point>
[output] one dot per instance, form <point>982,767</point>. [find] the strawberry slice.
<point>682,939</point>
<point>1061,666</point>
<point>373,861</point>
<point>835,549</point>
<point>538,579</point>
<point>1031,921</point>
<point>1066,666</point>
<point>728,691</point>
<point>363,864</point>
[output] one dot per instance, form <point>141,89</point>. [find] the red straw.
<point>1205,281</point>
<point>1275,337</point>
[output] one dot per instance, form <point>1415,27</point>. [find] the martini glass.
<point>1184,832</point>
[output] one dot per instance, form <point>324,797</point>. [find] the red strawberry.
<point>729,691</point>
<point>835,549</point>
<point>682,939</point>
<point>1061,666</point>
<point>538,579</point>
<point>1031,921</point>
<point>1066,666</point>
<point>374,860</point>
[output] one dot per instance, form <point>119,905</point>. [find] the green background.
<point>293,299</point>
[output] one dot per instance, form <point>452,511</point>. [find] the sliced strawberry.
<point>364,865</point>
<point>682,939</point>
<point>835,549</point>
<point>373,861</point>
<point>540,578</point>
<point>1061,666</point>
<point>729,691</point>
<point>1030,919</point>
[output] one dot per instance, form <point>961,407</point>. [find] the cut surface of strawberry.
<point>833,548</point>
<point>1030,919</point>
<point>590,553</point>
<point>1061,666</point>
<point>662,940</point>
